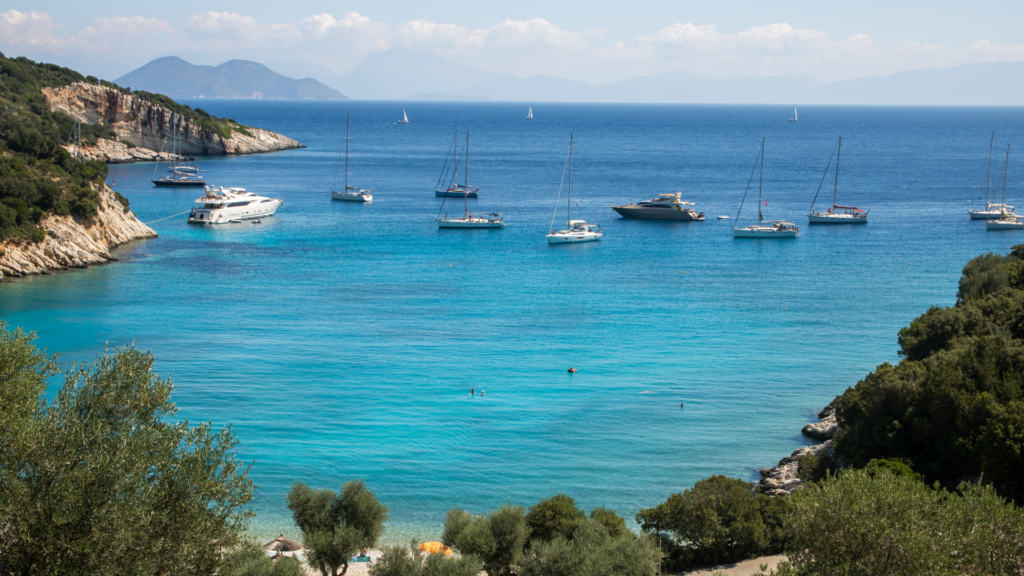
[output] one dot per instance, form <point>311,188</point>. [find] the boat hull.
<point>227,215</point>
<point>986,214</point>
<point>1004,225</point>
<point>764,232</point>
<point>352,197</point>
<point>825,218</point>
<point>453,194</point>
<point>178,183</point>
<point>640,213</point>
<point>573,238</point>
<point>466,224</point>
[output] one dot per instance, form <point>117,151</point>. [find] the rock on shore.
<point>149,126</point>
<point>784,478</point>
<point>112,152</point>
<point>72,243</point>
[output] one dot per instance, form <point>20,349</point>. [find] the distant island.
<point>177,78</point>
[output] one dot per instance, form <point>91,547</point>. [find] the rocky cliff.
<point>113,152</point>
<point>784,478</point>
<point>72,243</point>
<point>150,126</point>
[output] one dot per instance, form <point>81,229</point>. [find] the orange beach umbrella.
<point>435,548</point>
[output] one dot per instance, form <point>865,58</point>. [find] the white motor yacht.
<point>575,230</point>
<point>223,205</point>
<point>991,211</point>
<point>664,207</point>
<point>836,214</point>
<point>763,228</point>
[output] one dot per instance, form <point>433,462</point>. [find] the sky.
<point>595,41</point>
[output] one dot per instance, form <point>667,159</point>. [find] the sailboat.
<point>763,228</point>
<point>529,114</point>
<point>350,193</point>
<point>178,178</point>
<point>453,190</point>
<point>991,211</point>
<point>405,118</point>
<point>1007,220</point>
<point>793,119</point>
<point>468,219</point>
<point>836,214</point>
<point>575,230</point>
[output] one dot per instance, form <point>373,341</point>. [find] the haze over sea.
<point>342,340</point>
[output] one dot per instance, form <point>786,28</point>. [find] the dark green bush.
<point>614,524</point>
<point>719,520</point>
<point>554,517</point>
<point>38,235</point>
<point>250,559</point>
<point>592,551</point>
<point>497,539</point>
<point>401,561</point>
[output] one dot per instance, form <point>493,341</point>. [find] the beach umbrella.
<point>283,544</point>
<point>435,548</point>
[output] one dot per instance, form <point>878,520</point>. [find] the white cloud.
<point>520,46</point>
<point>30,31</point>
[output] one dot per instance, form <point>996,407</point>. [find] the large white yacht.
<point>221,205</point>
<point>763,228</point>
<point>664,207</point>
<point>575,230</point>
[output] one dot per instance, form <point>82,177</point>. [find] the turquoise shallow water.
<point>342,340</point>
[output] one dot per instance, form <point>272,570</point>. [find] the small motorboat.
<point>257,221</point>
<point>723,217</point>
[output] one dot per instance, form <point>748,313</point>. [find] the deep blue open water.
<point>342,340</point>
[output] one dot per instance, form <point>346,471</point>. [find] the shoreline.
<point>783,478</point>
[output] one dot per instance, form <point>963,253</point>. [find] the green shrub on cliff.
<point>719,520</point>
<point>953,408</point>
<point>864,523</point>
<point>102,478</point>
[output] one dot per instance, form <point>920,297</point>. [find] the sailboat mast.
<point>465,197</point>
<point>346,151</point>
<point>760,181</point>
<point>988,179</point>
<point>1006,167</point>
<point>836,189</point>
<point>568,208</point>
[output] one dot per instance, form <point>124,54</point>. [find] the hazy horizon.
<point>600,45</point>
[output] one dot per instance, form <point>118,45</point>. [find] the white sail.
<point>529,114</point>
<point>405,118</point>
<point>794,114</point>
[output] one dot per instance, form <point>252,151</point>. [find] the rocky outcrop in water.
<point>825,428</point>
<point>785,478</point>
<point>150,126</point>
<point>73,243</point>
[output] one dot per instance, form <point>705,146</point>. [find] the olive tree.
<point>592,551</point>
<point>498,539</point>
<point>105,479</point>
<point>553,517</point>
<point>250,559</point>
<point>401,561</point>
<point>336,525</point>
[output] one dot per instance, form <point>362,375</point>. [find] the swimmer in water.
<point>481,393</point>
<point>472,392</point>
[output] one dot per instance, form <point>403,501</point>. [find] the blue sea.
<point>342,340</point>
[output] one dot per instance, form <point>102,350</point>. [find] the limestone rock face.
<point>149,126</point>
<point>824,429</point>
<point>783,479</point>
<point>112,152</point>
<point>71,243</point>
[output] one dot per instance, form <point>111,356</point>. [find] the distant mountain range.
<point>399,74</point>
<point>233,79</point>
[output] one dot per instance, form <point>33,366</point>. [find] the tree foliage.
<point>250,559</point>
<point>953,408</point>
<point>591,551</point>
<point>401,561</point>
<point>497,539</point>
<point>554,517</point>
<point>868,523</point>
<point>336,525</point>
<point>719,520</point>
<point>104,479</point>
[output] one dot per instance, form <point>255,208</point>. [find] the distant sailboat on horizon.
<point>405,118</point>
<point>793,119</point>
<point>529,114</point>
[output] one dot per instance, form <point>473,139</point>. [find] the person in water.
<point>472,392</point>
